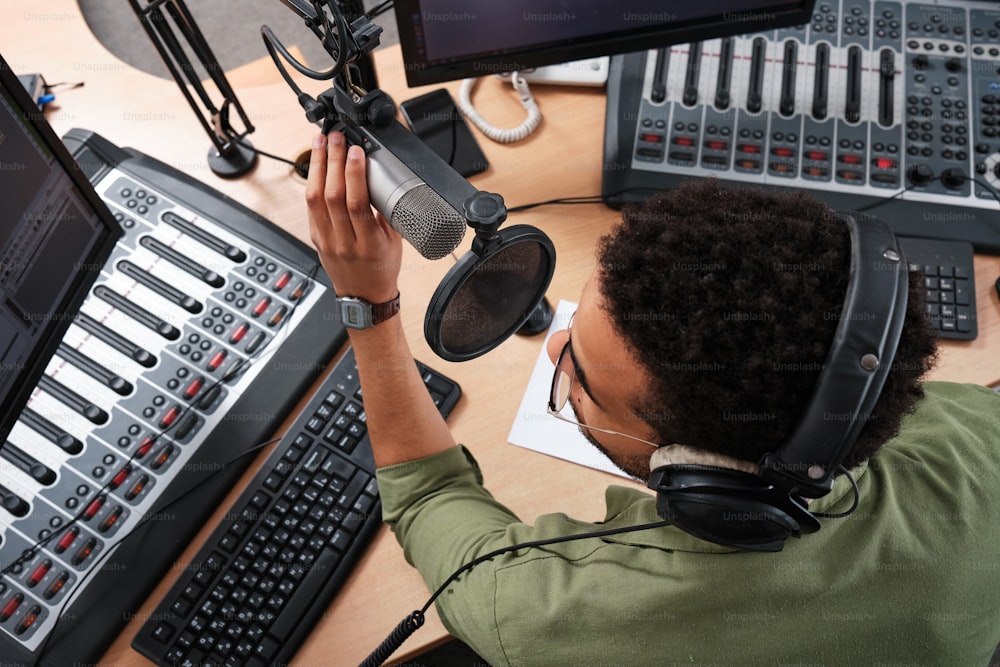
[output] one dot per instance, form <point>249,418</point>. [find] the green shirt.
<point>911,577</point>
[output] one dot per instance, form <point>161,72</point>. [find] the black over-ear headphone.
<point>759,512</point>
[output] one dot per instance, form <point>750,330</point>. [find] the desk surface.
<point>561,159</point>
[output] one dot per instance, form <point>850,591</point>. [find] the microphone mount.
<point>349,108</point>
<point>502,280</point>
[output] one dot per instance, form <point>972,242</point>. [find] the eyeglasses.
<point>562,386</point>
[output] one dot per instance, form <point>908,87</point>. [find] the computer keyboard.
<point>272,566</point>
<point>949,278</point>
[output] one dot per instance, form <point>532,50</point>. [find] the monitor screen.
<point>55,234</point>
<point>444,40</point>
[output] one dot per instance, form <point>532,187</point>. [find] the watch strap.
<point>383,311</point>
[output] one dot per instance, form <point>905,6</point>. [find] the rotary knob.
<point>953,179</point>
<point>921,61</point>
<point>920,174</point>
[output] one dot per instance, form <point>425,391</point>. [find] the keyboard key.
<point>163,632</point>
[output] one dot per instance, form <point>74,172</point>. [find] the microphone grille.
<point>428,222</point>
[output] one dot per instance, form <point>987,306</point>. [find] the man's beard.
<point>636,467</point>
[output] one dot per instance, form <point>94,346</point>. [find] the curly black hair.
<point>729,299</point>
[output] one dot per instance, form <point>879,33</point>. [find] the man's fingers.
<point>358,202</point>
<point>335,193</point>
<point>315,201</point>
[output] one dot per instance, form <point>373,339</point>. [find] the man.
<point>706,323</point>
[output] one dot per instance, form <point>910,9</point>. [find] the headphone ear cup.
<point>729,507</point>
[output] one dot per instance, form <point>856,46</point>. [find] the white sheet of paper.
<point>536,429</point>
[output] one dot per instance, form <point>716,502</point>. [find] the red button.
<point>39,573</point>
<point>239,333</point>
<point>684,141</point>
<point>120,478</point>
<point>282,281</point>
<point>748,148</point>
<point>67,540</point>
<point>817,155</point>
<point>11,607</point>
<point>652,138</point>
<point>170,416</point>
<point>94,507</point>
<point>261,306</point>
<point>716,145</point>
<point>147,444</point>
<point>783,152</point>
<point>850,159</point>
<point>216,360</point>
<point>193,388</point>
<point>885,163</point>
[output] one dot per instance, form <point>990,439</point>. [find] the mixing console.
<point>867,100</point>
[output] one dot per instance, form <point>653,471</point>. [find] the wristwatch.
<point>357,313</point>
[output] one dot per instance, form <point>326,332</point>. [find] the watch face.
<point>352,316</point>
<point>354,313</point>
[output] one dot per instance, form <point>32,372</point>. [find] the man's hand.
<point>362,254</point>
<point>357,247</point>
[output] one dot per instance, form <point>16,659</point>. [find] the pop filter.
<point>490,293</point>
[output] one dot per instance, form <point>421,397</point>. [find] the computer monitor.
<point>55,234</point>
<point>444,40</point>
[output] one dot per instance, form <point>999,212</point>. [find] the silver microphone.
<point>424,218</point>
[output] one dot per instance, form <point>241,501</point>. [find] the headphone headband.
<point>857,364</point>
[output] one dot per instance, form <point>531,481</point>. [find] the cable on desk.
<point>301,167</point>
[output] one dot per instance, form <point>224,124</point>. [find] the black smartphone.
<point>435,118</point>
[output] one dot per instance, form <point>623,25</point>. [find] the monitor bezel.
<point>420,72</point>
<point>90,266</point>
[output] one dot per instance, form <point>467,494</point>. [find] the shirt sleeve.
<point>440,512</point>
<point>443,517</point>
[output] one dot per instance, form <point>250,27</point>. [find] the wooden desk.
<point>562,159</point>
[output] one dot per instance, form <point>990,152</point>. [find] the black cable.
<point>340,44</point>
<point>379,9</point>
<point>599,199</point>
<point>412,623</point>
<point>857,497</point>
<point>989,188</point>
<point>300,167</point>
<point>49,87</point>
<point>583,199</point>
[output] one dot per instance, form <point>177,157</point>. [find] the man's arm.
<point>362,254</point>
